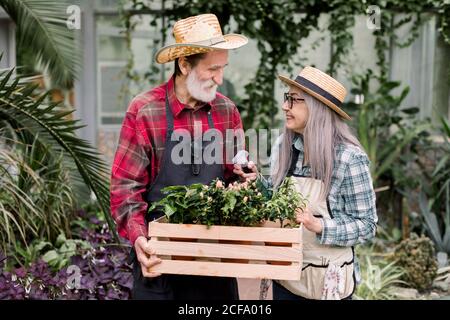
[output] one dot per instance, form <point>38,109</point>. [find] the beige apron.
<point>327,271</point>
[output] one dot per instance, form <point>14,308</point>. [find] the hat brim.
<point>173,51</point>
<point>330,104</point>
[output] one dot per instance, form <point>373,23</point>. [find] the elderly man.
<point>144,163</point>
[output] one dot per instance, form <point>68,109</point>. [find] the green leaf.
<point>68,248</point>
<point>169,210</point>
<point>153,206</point>
<point>390,85</point>
<point>85,245</point>
<point>403,95</point>
<point>42,245</point>
<point>62,263</point>
<point>22,252</point>
<point>51,256</point>
<point>60,240</point>
<point>411,111</point>
<point>440,165</point>
<point>446,126</point>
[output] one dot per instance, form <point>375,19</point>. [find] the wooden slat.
<point>254,271</point>
<point>220,250</point>
<point>298,247</point>
<point>224,232</point>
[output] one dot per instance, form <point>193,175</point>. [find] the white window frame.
<point>100,113</point>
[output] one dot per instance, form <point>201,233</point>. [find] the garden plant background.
<point>57,240</point>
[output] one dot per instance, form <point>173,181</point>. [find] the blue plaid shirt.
<point>351,198</point>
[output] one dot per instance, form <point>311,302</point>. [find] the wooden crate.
<point>208,254</point>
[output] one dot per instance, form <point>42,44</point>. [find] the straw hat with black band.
<point>198,34</point>
<point>322,87</point>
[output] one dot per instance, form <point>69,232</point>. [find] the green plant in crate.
<point>238,204</point>
<point>182,204</point>
<point>283,202</point>
<point>242,204</point>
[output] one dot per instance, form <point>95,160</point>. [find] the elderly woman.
<point>330,167</point>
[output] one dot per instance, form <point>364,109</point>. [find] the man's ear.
<point>184,66</point>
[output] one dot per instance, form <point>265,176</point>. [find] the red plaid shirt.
<point>141,146</point>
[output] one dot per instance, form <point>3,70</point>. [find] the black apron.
<point>181,287</point>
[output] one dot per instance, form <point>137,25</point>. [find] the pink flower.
<point>219,184</point>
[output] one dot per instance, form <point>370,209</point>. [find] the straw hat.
<point>321,86</point>
<point>198,34</point>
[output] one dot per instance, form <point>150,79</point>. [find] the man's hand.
<point>310,222</point>
<point>246,176</point>
<point>146,257</point>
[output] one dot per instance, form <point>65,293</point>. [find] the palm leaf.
<point>53,130</point>
<point>41,27</point>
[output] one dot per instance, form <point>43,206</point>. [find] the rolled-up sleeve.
<point>355,222</point>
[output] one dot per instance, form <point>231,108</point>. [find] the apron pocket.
<point>321,283</point>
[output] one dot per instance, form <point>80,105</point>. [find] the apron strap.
<point>210,120</point>
<point>294,159</point>
<point>169,115</point>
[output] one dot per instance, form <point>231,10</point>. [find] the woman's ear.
<point>184,66</point>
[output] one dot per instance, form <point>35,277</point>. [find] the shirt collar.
<point>298,142</point>
<point>176,105</point>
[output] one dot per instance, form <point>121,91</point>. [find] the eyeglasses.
<point>291,99</point>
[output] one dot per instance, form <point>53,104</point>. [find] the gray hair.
<point>324,130</point>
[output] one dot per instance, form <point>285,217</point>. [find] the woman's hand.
<point>246,176</point>
<point>310,222</point>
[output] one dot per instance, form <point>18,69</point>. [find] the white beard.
<point>204,91</point>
